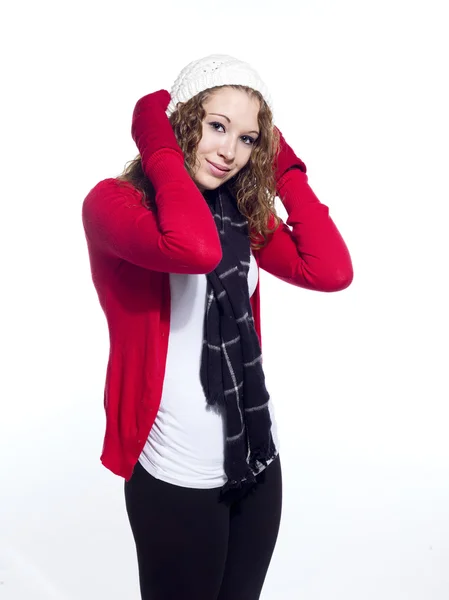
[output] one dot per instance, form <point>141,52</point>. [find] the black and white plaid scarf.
<point>231,364</point>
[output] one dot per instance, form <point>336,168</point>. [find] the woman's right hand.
<point>151,130</point>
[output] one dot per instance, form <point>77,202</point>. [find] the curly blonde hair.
<point>254,186</point>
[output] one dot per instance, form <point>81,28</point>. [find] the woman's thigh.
<point>181,537</point>
<point>254,526</point>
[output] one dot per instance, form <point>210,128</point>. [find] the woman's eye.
<point>247,139</point>
<point>215,125</point>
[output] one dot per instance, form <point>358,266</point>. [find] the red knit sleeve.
<point>181,237</point>
<point>312,254</point>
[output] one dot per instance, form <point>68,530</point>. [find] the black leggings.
<point>192,546</point>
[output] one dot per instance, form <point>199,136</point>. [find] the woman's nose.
<point>227,150</point>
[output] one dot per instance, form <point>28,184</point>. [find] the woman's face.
<point>230,129</point>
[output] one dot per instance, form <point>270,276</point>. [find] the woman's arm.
<point>312,254</point>
<point>181,236</point>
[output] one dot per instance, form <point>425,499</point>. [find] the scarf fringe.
<point>261,456</point>
<point>238,484</point>
<point>216,398</point>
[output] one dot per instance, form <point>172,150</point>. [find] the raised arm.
<point>312,254</point>
<point>181,235</point>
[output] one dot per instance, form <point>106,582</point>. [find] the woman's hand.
<point>151,129</point>
<point>286,159</point>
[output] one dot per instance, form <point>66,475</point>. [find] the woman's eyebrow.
<point>229,120</point>
<point>224,116</point>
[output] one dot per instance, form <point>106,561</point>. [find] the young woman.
<point>175,246</point>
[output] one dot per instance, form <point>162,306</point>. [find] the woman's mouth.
<point>217,170</point>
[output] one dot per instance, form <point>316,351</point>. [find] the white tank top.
<point>186,443</point>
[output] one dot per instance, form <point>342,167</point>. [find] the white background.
<point>359,378</point>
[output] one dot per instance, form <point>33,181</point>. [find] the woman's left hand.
<point>286,159</point>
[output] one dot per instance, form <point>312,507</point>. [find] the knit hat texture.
<point>211,71</point>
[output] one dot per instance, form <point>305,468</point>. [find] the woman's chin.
<point>207,183</point>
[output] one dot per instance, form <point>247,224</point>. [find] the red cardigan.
<point>132,251</point>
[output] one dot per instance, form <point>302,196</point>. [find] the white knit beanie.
<point>211,71</point>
